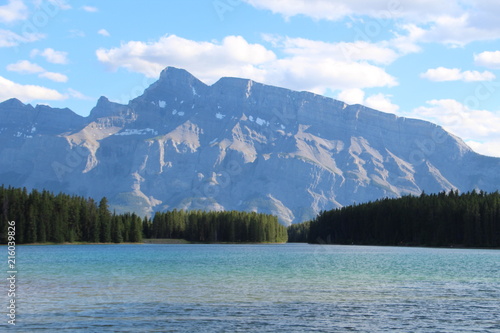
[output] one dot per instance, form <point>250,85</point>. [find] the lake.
<point>255,288</point>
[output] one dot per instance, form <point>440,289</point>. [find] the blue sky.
<point>438,61</point>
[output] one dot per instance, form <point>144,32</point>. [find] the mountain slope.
<point>237,145</point>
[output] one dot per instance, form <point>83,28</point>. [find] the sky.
<point>433,60</point>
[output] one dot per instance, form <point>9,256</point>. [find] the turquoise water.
<point>256,288</point>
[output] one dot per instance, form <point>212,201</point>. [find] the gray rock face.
<point>235,145</point>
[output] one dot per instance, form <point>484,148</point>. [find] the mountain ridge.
<point>236,145</point>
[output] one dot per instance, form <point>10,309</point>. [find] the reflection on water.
<point>257,288</point>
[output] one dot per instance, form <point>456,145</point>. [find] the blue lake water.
<point>255,288</point>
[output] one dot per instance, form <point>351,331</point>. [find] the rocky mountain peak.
<point>174,73</point>
<point>176,78</point>
<point>173,82</point>
<point>234,145</point>
<point>12,104</point>
<point>15,113</point>
<point>105,108</point>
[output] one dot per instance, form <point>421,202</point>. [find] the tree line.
<point>299,233</point>
<point>45,217</point>
<point>227,226</point>
<point>42,217</point>
<point>469,219</point>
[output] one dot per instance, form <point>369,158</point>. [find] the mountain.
<point>234,145</point>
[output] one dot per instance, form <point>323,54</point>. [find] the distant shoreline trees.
<point>470,219</point>
<point>226,226</point>
<point>43,217</point>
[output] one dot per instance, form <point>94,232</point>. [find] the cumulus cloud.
<point>104,32</point>
<point>379,53</point>
<point>352,96</point>
<point>301,68</point>
<point>26,67</point>
<point>337,9</point>
<point>27,93</point>
<point>208,60</point>
<point>489,59</point>
<point>480,128</point>
<point>13,11</point>
<point>57,77</point>
<point>488,148</point>
<point>303,73</point>
<point>454,23</point>
<point>408,43</point>
<point>379,101</point>
<point>441,74</point>
<point>51,55</point>
<point>458,31</point>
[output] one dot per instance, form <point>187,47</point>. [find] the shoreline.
<point>156,241</point>
<point>458,247</point>
<point>173,241</point>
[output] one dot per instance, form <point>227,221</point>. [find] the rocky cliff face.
<point>235,145</point>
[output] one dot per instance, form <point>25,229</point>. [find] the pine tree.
<point>93,220</point>
<point>116,229</point>
<point>31,226</point>
<point>104,221</point>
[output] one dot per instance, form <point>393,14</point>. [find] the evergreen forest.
<point>230,226</point>
<point>43,217</point>
<point>470,219</point>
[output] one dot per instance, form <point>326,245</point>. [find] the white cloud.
<point>441,74</point>
<point>318,75</point>
<point>379,101</point>
<point>51,55</point>
<point>408,43</point>
<point>56,77</point>
<point>355,51</point>
<point>330,10</point>
<point>481,128</point>
<point>208,60</point>
<point>317,66</point>
<point>458,31</point>
<point>422,10</point>
<point>488,148</point>
<point>25,67</point>
<point>27,93</point>
<point>337,9</point>
<point>15,10</point>
<point>104,32</point>
<point>474,76</point>
<point>301,68</point>
<point>352,96</point>
<point>90,9</point>
<point>489,59</point>
<point>454,23</point>
<point>11,39</point>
